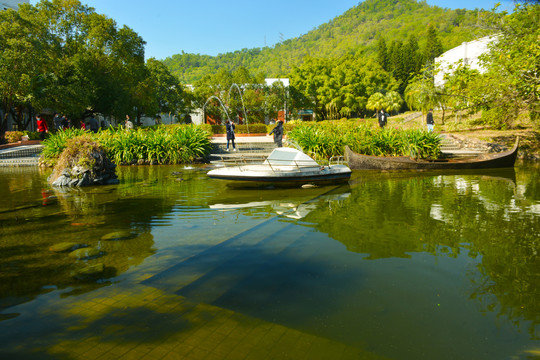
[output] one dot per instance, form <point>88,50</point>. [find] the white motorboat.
<point>283,167</point>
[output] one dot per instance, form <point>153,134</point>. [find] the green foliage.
<point>54,145</point>
<point>355,32</point>
<point>33,135</point>
<point>421,94</point>
<point>13,136</point>
<point>328,139</point>
<point>337,88</point>
<point>171,144</point>
<point>80,151</point>
<point>61,54</point>
<point>497,118</point>
<point>513,62</point>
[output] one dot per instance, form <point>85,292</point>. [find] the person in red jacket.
<point>42,126</point>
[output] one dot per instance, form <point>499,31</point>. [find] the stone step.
<point>192,268</point>
<point>21,152</point>
<point>20,161</point>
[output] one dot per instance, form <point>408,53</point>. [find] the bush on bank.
<point>327,139</point>
<point>165,144</point>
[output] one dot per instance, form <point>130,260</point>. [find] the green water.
<point>390,265</point>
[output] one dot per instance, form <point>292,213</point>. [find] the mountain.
<point>355,32</point>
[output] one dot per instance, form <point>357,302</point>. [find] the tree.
<point>421,93</point>
<point>513,62</point>
<point>382,54</point>
<point>22,62</point>
<point>393,101</point>
<point>433,45</point>
<point>377,102</point>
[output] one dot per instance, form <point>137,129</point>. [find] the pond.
<point>389,266</point>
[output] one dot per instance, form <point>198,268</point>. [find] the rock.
<point>89,271</point>
<point>66,246</point>
<point>102,172</point>
<point>117,235</point>
<point>85,253</point>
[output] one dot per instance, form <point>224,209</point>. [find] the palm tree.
<point>376,102</point>
<point>393,101</point>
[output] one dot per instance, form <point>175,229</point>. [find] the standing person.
<point>57,120</point>
<point>129,124</point>
<point>429,120</point>
<point>83,125</point>
<point>383,117</point>
<point>94,125</point>
<point>230,134</point>
<point>41,126</point>
<point>278,133</point>
<point>65,122</point>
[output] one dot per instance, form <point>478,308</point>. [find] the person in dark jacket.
<point>429,120</point>
<point>278,133</point>
<point>383,118</point>
<point>230,134</point>
<point>94,125</point>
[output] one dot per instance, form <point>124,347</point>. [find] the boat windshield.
<point>289,157</point>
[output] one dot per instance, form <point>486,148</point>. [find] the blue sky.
<point>211,27</point>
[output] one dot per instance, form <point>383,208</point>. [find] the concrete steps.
<point>25,155</point>
<point>23,151</point>
<point>452,148</point>
<point>245,152</point>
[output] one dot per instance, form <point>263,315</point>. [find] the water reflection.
<point>454,254</point>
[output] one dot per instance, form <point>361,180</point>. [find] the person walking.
<point>278,133</point>
<point>429,120</point>
<point>129,124</point>
<point>230,134</point>
<point>94,125</point>
<point>383,117</point>
<point>57,120</point>
<point>41,126</point>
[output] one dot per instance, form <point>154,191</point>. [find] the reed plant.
<point>56,143</point>
<point>324,140</point>
<point>166,144</point>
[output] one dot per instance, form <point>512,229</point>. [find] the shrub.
<point>56,143</point>
<point>327,139</point>
<point>498,118</point>
<point>14,136</point>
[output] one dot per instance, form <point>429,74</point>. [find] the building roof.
<point>12,4</point>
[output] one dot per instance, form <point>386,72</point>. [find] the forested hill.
<point>356,32</point>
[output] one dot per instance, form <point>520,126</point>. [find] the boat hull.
<point>244,177</point>
<point>491,161</point>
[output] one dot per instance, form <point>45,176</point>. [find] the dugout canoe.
<point>486,161</point>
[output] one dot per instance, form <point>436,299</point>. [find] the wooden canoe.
<point>487,161</point>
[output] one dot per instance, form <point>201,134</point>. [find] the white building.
<point>12,4</point>
<point>468,53</point>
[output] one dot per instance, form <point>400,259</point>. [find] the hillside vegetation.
<point>356,32</point>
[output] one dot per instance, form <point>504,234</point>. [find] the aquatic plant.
<point>171,144</point>
<point>327,139</point>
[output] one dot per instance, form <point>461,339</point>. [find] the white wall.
<point>468,52</point>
